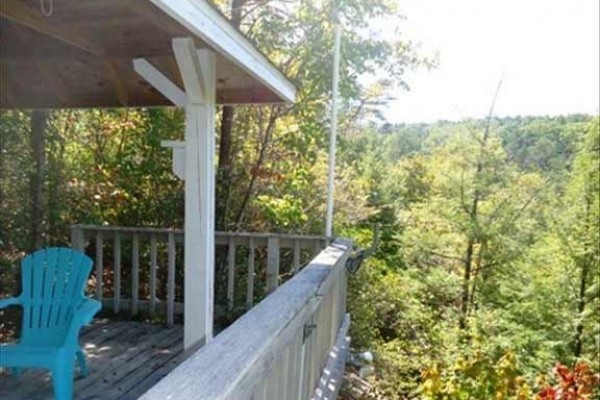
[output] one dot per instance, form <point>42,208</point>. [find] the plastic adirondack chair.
<point>54,310</point>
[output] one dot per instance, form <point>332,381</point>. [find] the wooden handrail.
<point>161,246</point>
<point>147,231</point>
<point>276,350</point>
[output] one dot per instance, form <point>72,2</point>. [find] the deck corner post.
<point>197,69</point>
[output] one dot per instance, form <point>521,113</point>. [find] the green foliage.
<point>535,232</point>
<point>476,375</point>
<point>274,143</point>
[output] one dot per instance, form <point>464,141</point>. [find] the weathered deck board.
<point>124,358</point>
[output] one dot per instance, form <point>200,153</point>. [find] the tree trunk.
<point>225,164</point>
<point>473,235</point>
<point>475,277</point>
<point>256,167</point>
<point>224,168</point>
<point>3,175</point>
<point>3,145</point>
<point>39,121</point>
<point>466,286</point>
<point>55,165</point>
<point>584,265</point>
<point>578,342</point>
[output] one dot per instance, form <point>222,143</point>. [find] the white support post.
<point>334,122</point>
<point>198,72</point>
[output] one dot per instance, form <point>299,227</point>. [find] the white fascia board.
<point>208,24</point>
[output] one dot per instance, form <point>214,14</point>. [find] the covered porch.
<point>289,290</point>
<point>144,53</point>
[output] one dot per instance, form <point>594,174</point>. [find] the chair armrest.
<point>84,314</point>
<point>9,302</point>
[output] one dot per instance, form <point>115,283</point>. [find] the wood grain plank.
<point>132,369</point>
<point>112,348</point>
<point>115,355</point>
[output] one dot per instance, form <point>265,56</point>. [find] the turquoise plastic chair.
<point>54,310</point>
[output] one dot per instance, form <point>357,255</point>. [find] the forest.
<point>486,283</point>
<point>486,280</point>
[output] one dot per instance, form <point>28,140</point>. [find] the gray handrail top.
<point>176,231</point>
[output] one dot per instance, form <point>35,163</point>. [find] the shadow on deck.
<point>125,359</point>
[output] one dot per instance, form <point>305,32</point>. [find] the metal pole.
<point>334,121</point>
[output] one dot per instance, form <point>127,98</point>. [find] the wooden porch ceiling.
<point>81,55</point>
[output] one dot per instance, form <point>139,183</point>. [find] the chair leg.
<point>83,369</point>
<point>62,377</point>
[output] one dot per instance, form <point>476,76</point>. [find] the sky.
<point>546,52</point>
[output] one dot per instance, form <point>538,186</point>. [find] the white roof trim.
<point>209,25</point>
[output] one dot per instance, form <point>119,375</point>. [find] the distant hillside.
<point>534,142</point>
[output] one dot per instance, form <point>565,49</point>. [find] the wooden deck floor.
<point>125,359</point>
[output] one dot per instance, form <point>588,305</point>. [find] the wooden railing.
<point>141,269</point>
<point>286,347</point>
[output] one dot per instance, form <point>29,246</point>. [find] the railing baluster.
<point>294,372</point>
<point>272,264</point>
<point>117,274</point>
<point>308,349</point>
<point>77,238</point>
<point>99,265</point>
<point>273,383</point>
<point>283,378</point>
<point>343,295</point>
<point>250,282</point>
<point>152,301</point>
<point>314,358</point>
<point>327,331</point>
<point>317,248</point>
<point>135,273</point>
<point>260,391</point>
<point>230,273</point>
<point>153,267</point>
<point>171,281</point>
<point>296,262</point>
<point>302,369</point>
<point>334,315</point>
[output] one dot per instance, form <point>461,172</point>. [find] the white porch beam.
<point>205,22</point>
<point>198,72</point>
<point>189,67</point>
<point>160,82</point>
